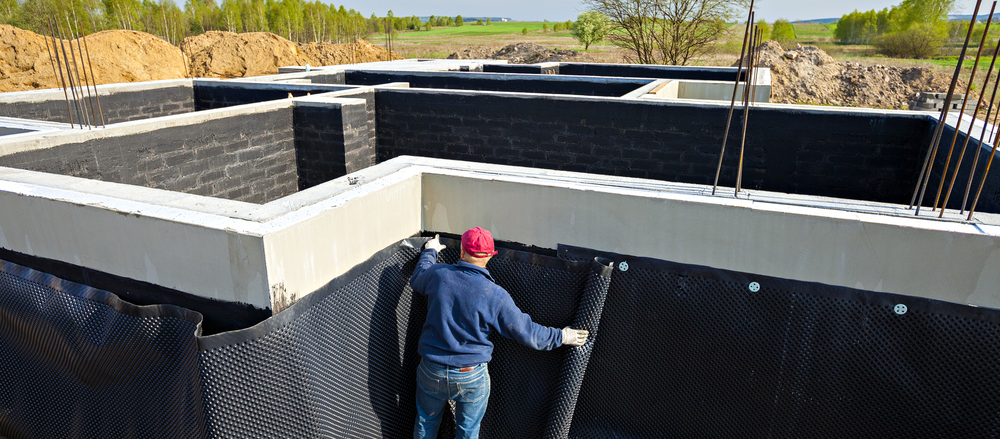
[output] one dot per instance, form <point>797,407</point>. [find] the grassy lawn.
<point>813,31</point>
<point>473,30</point>
<point>440,42</point>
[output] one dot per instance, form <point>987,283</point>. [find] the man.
<point>463,306</point>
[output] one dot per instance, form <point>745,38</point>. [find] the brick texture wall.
<point>248,157</point>
<point>332,140</point>
<point>120,106</point>
<point>989,201</point>
<point>860,156</point>
<point>508,83</point>
<point>211,95</point>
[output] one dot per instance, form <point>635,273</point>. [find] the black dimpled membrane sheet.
<point>79,362</point>
<point>341,362</point>
<point>690,351</point>
<point>675,351</point>
<point>533,393</point>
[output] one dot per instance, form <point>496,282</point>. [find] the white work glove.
<point>574,337</point>
<point>435,243</point>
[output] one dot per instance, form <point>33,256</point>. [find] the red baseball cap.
<point>478,242</point>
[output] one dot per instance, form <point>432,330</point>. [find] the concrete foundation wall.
<point>220,94</point>
<point>366,158</point>
<point>542,68</point>
<point>247,156</point>
<point>312,246</point>
<point>989,201</point>
<point>131,240</point>
<point>958,263</point>
<point>649,71</point>
<point>871,156</point>
<point>332,139</point>
<point>523,83</point>
<point>120,102</point>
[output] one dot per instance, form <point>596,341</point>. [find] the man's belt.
<point>460,369</point>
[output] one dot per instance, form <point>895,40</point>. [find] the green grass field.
<point>813,31</point>
<point>473,30</point>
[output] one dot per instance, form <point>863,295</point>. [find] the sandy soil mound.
<point>522,53</point>
<point>329,54</point>
<point>808,75</point>
<point>117,56</point>
<point>218,54</point>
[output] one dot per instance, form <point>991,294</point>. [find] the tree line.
<point>913,29</point>
<point>297,20</point>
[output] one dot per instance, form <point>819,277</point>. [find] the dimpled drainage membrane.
<point>676,351</point>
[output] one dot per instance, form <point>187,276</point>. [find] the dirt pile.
<point>329,54</point>
<point>217,54</point>
<point>807,75</point>
<point>522,53</point>
<point>117,56</point>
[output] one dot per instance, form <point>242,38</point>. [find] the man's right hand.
<point>435,243</point>
<point>574,337</point>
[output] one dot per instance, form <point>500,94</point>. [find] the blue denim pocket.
<point>429,382</point>
<point>474,390</point>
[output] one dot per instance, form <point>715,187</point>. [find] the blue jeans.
<point>436,384</point>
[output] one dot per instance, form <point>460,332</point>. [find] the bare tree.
<point>666,31</point>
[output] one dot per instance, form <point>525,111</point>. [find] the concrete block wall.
<point>120,102</point>
<point>550,68</point>
<point>871,156</point>
<point>649,71</point>
<point>244,157</point>
<point>522,83</point>
<point>989,201</point>
<point>221,94</point>
<point>368,158</point>
<point>332,139</point>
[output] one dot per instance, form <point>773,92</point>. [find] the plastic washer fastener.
<point>754,287</point>
<point>623,266</point>
<point>899,309</point>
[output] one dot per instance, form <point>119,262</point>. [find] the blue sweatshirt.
<point>463,305</point>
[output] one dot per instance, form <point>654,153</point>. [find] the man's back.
<point>463,306</point>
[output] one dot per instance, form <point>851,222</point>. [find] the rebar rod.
<point>925,172</point>
<point>94,77</point>
<point>975,161</point>
<point>958,125</point>
<point>86,81</point>
<point>746,109</point>
<point>982,182</point>
<point>76,69</point>
<point>61,79</point>
<point>972,123</point>
<point>756,62</point>
<point>732,103</point>
<point>69,75</point>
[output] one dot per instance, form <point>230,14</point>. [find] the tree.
<point>459,20</point>
<point>763,28</point>
<point>920,12</point>
<point>665,31</point>
<point>568,24</point>
<point>545,27</point>
<point>782,31</point>
<point>489,21</point>
<point>7,10</point>
<point>591,27</point>
<point>479,22</point>
<point>919,41</point>
<point>524,31</point>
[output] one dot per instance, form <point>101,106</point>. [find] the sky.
<point>562,10</point>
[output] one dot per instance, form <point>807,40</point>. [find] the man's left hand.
<point>574,337</point>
